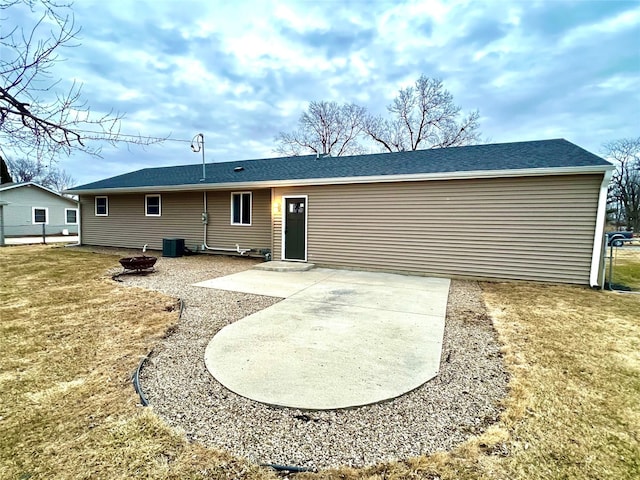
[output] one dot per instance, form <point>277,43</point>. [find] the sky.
<point>240,72</point>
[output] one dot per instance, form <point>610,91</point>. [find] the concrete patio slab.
<point>391,297</point>
<point>269,283</point>
<point>341,338</point>
<point>377,278</point>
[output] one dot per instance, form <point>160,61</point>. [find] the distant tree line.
<point>624,189</point>
<point>421,116</point>
<point>23,170</point>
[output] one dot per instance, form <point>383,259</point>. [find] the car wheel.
<point>617,243</point>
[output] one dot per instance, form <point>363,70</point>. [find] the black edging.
<point>136,374</point>
<point>136,382</point>
<point>287,468</point>
<point>145,403</point>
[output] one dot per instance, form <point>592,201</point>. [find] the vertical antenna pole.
<point>197,145</point>
<point>204,173</point>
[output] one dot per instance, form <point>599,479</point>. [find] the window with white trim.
<point>102,206</point>
<point>40,215</point>
<point>241,208</point>
<point>152,206</point>
<point>71,216</point>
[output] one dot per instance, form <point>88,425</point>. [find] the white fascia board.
<point>414,177</point>
<point>30,184</point>
<point>598,240</point>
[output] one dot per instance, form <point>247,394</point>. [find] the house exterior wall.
<point>127,226</point>
<point>18,214</point>
<point>220,232</point>
<point>526,228</point>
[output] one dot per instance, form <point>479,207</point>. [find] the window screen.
<point>102,206</point>
<point>72,215</point>
<point>39,215</point>
<point>152,205</point>
<point>241,208</point>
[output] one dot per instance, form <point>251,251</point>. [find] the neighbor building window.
<point>102,206</point>
<point>152,205</point>
<point>71,216</point>
<point>40,215</point>
<point>241,208</point>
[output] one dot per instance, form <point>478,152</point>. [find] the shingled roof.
<point>500,159</point>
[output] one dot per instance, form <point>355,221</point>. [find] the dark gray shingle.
<point>556,153</point>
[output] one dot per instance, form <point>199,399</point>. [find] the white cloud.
<point>241,72</point>
<point>628,20</point>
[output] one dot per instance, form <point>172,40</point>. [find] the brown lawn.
<point>70,339</point>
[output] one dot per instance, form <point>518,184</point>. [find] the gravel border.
<point>460,402</point>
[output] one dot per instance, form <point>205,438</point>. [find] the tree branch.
<point>36,118</point>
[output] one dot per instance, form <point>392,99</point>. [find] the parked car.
<point>617,239</point>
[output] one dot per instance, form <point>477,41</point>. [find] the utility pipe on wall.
<point>241,251</point>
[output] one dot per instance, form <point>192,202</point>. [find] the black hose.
<point>136,382</point>
<point>136,375</point>
<point>145,402</point>
<point>287,468</point>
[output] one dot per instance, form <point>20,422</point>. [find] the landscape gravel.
<point>461,401</point>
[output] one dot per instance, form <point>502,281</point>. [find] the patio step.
<point>280,266</point>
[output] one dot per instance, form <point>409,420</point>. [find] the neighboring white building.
<point>26,207</point>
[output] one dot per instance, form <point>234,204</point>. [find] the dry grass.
<point>70,339</point>
<point>574,406</point>
<point>626,268</point>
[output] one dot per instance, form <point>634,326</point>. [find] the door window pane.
<point>297,207</point>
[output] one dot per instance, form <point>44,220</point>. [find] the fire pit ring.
<point>138,264</point>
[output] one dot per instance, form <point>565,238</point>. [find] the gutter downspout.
<point>79,224</point>
<point>241,251</point>
<point>2,204</point>
<point>601,215</point>
<point>79,242</point>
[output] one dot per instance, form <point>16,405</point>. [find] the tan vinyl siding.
<point>221,234</point>
<point>127,226</point>
<point>527,228</point>
<point>277,225</point>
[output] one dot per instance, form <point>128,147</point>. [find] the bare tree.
<point>39,117</point>
<point>423,116</point>
<point>325,128</point>
<point>624,190</point>
<point>60,180</point>
<point>23,170</point>
<point>5,176</point>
